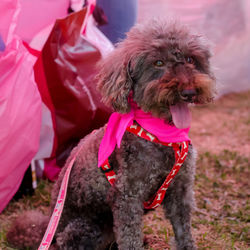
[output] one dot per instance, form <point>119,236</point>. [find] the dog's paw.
<point>174,246</point>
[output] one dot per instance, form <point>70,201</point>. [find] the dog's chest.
<point>145,164</point>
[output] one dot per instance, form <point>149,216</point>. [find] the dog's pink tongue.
<point>181,115</point>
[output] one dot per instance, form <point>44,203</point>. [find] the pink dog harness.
<point>163,134</point>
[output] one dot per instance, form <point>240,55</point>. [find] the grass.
<point>40,200</point>
<point>222,199</point>
<point>221,220</point>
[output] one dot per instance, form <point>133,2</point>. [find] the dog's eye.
<point>190,60</point>
<point>159,63</point>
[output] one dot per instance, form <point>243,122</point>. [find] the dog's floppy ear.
<point>114,81</point>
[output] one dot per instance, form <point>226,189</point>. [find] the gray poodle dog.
<point>159,65</point>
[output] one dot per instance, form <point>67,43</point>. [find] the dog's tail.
<point>27,230</point>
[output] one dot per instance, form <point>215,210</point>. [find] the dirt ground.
<point>221,134</point>
<point>223,125</point>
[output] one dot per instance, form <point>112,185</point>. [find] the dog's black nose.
<point>188,94</point>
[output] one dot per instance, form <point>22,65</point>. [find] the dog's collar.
<point>180,149</point>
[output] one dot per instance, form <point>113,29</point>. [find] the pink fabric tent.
<point>20,101</point>
<point>27,122</point>
<point>20,105</point>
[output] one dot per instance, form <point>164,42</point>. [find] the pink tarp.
<point>20,106</point>
<point>37,15</point>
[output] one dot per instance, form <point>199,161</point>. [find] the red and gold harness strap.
<point>181,151</point>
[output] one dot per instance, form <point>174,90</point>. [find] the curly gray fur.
<point>96,213</point>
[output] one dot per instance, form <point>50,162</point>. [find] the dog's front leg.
<point>178,205</point>
<point>127,213</point>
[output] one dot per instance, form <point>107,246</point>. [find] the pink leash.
<point>54,220</point>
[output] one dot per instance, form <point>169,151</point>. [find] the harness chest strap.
<point>181,151</point>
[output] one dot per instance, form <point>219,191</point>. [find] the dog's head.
<point>164,66</point>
